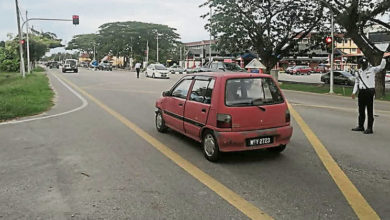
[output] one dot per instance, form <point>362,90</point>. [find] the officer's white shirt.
<point>368,76</point>
<point>137,65</point>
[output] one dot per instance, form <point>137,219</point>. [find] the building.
<point>199,52</point>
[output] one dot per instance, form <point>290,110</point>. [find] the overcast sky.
<point>184,15</point>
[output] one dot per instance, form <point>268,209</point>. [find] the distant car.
<point>84,64</point>
<point>53,64</point>
<point>289,69</point>
<point>320,69</point>
<point>197,70</point>
<point>105,66</point>
<point>94,64</point>
<point>218,66</point>
<point>70,65</point>
<point>301,70</point>
<point>176,69</point>
<point>339,77</point>
<point>157,71</point>
<point>227,112</point>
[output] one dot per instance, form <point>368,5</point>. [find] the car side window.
<point>202,91</point>
<point>181,90</point>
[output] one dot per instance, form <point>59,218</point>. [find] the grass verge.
<point>338,89</point>
<point>24,97</point>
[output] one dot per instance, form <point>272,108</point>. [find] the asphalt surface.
<point>89,165</point>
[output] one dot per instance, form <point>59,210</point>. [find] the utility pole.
<point>157,47</point>
<point>332,55</point>
<point>28,46</point>
<point>22,70</point>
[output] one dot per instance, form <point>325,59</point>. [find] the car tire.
<point>160,123</point>
<point>76,71</point>
<point>153,76</point>
<point>277,149</point>
<point>327,81</point>
<point>63,71</point>
<point>210,146</point>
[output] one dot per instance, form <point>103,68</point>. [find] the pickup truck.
<point>70,65</point>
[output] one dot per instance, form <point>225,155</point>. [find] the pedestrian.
<point>138,68</point>
<point>365,85</point>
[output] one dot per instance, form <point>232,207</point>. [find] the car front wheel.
<point>160,123</point>
<point>210,147</point>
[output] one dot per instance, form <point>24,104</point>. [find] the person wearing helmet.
<point>365,85</point>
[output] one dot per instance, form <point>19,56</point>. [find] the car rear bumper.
<point>236,141</point>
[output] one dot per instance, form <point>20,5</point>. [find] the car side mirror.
<point>166,93</point>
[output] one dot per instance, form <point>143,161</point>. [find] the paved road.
<point>90,164</point>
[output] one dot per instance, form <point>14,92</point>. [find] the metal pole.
<point>211,12</point>
<point>332,57</point>
<point>22,70</point>
<point>94,51</point>
<point>157,47</point>
<point>181,57</point>
<point>28,47</point>
<point>147,52</point>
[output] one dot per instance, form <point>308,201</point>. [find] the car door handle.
<point>180,104</point>
<point>203,110</point>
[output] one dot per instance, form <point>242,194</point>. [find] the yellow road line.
<point>230,196</point>
<point>355,199</point>
<point>123,90</point>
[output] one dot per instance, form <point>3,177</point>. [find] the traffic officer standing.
<point>365,84</point>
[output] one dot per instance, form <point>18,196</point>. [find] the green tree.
<point>271,28</point>
<point>356,16</point>
<point>129,39</point>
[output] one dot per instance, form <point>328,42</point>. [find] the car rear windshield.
<point>71,62</point>
<point>252,92</point>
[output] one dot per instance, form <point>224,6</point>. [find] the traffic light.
<point>22,42</point>
<point>328,40</point>
<point>75,19</point>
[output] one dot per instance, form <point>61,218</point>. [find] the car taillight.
<point>288,116</point>
<point>224,121</point>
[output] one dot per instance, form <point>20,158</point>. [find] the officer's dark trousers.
<point>366,100</point>
<point>137,69</point>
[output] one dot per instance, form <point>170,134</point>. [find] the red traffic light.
<point>328,40</point>
<point>22,42</point>
<point>75,19</point>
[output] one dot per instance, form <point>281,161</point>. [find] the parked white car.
<point>157,71</point>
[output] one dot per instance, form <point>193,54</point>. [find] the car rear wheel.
<point>277,149</point>
<point>153,76</point>
<point>160,123</point>
<point>210,146</point>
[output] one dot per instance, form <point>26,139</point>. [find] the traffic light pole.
<point>28,47</point>
<point>22,70</point>
<point>332,57</point>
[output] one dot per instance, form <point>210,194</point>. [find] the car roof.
<point>230,75</point>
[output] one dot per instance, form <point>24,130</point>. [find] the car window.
<point>202,91</point>
<point>160,67</point>
<point>181,90</point>
<point>214,66</point>
<point>252,92</point>
<point>336,74</point>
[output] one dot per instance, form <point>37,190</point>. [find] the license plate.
<point>259,141</point>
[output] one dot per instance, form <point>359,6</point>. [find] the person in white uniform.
<point>138,68</point>
<point>365,85</point>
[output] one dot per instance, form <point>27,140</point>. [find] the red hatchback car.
<point>227,112</point>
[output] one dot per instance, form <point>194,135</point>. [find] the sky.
<point>184,15</point>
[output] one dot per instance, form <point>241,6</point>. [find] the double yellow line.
<point>360,206</point>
